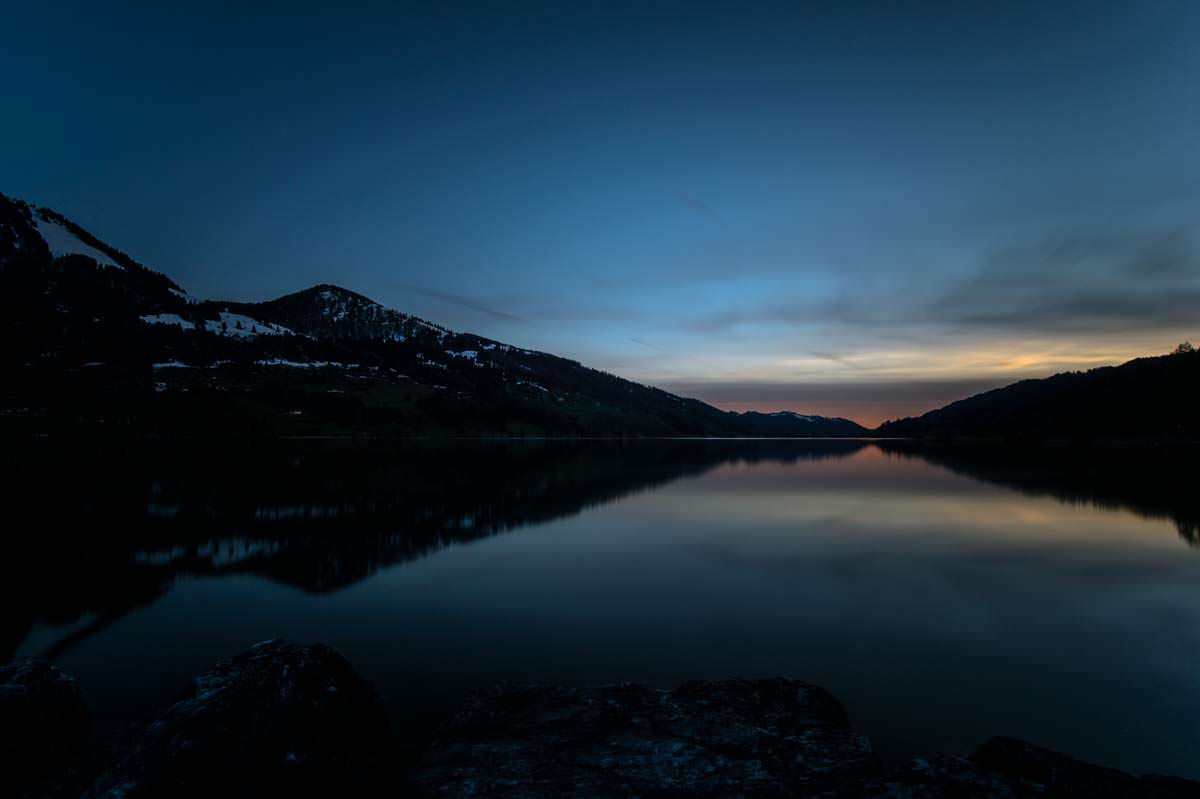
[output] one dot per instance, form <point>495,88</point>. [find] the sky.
<point>846,208</point>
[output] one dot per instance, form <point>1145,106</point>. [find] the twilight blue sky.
<point>865,209</point>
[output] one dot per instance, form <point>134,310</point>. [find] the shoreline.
<point>282,719</point>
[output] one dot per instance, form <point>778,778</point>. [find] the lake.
<point>944,595</point>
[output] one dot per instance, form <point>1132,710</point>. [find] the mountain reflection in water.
<point>827,559</point>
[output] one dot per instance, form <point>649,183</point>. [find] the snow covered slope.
<point>70,303</point>
<point>62,241</point>
<point>332,312</point>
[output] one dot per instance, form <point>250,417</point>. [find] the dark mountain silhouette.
<point>782,423</point>
<point>331,312</point>
<point>92,337</point>
<point>1146,398</point>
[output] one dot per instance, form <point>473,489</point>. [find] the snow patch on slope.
<point>336,306</point>
<point>306,364</point>
<point>237,325</point>
<point>168,319</point>
<point>799,416</point>
<point>233,325</point>
<point>62,241</point>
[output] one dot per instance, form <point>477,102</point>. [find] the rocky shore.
<point>287,720</point>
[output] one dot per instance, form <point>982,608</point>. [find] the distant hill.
<point>1148,398</point>
<point>781,423</point>
<point>91,336</point>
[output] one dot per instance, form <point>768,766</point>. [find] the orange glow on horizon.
<point>861,393</point>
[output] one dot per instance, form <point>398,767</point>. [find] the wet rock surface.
<point>297,721</point>
<point>1060,775</point>
<point>276,720</point>
<point>44,722</point>
<point>944,777</point>
<point>760,738</point>
<point>738,738</point>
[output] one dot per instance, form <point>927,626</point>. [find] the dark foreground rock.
<point>45,722</point>
<point>1060,775</point>
<point>277,720</point>
<point>296,721</point>
<point>740,738</point>
<point>762,738</point>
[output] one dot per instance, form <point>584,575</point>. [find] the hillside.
<point>1146,398</point>
<point>93,337</point>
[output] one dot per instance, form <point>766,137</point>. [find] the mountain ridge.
<point>1144,398</point>
<point>87,321</point>
<point>94,334</point>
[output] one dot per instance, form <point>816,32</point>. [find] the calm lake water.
<point>944,596</point>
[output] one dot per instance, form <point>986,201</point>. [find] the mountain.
<point>90,336</point>
<point>1146,398</point>
<point>335,313</point>
<point>783,423</point>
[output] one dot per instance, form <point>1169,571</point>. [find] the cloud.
<point>1058,285</point>
<point>894,312</point>
<point>694,203</point>
<point>465,302</point>
<point>1080,284</point>
<point>838,359</point>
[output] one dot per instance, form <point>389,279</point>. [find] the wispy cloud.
<point>694,203</point>
<point>838,359</point>
<point>464,302</point>
<point>1080,284</point>
<point>646,344</point>
<point>1057,286</point>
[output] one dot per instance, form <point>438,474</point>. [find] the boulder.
<point>736,739</point>
<point>944,777</point>
<point>276,720</point>
<point>297,721</point>
<point>1007,768</point>
<point>44,723</point>
<point>744,738</point>
<point>1055,774</point>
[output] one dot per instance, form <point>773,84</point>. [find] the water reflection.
<point>115,530</point>
<point>945,594</point>
<point>1154,485</point>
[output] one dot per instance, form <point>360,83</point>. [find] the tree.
<point>1184,348</point>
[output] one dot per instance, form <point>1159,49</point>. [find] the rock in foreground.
<point>760,738</point>
<point>296,721</point>
<point>738,739</point>
<point>1056,774</point>
<point>45,722</point>
<point>277,720</point>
